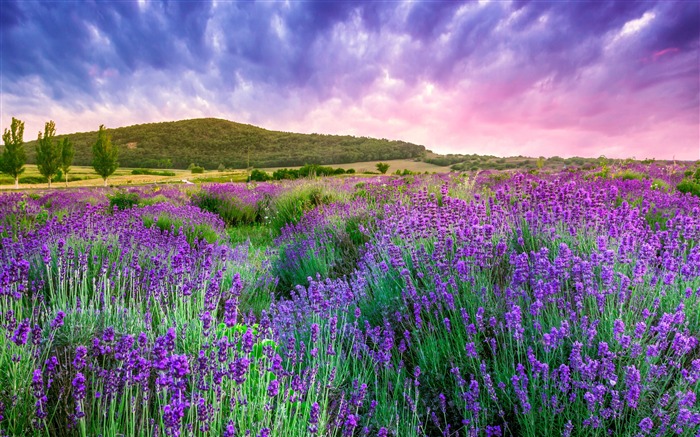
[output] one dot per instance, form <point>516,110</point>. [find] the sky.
<point>505,78</point>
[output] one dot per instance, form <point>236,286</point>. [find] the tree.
<point>13,156</point>
<point>540,162</point>
<point>48,152</point>
<point>67,153</point>
<point>383,167</point>
<point>104,155</point>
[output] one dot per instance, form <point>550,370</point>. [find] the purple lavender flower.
<point>230,430</point>
<point>57,322</point>
<point>19,337</point>
<point>230,312</point>
<point>79,386</point>
<point>273,388</point>
<point>633,380</point>
<point>79,360</point>
<point>646,425</point>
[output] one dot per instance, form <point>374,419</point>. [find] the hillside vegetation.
<point>210,142</point>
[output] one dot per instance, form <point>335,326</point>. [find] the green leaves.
<point>13,156</point>
<point>48,152</point>
<point>67,153</point>
<point>104,155</point>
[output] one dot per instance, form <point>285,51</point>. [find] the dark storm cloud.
<point>64,43</point>
<point>69,45</point>
<point>263,56</point>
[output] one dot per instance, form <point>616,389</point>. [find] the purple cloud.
<point>500,71</point>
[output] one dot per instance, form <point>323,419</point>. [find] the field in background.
<point>123,176</point>
<point>394,164</point>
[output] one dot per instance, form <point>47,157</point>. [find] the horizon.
<point>614,78</point>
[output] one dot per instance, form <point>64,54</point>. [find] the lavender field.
<point>491,305</point>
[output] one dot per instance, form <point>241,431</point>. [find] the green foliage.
<point>258,235</point>
<point>540,162</point>
<point>67,154</point>
<point>308,170</point>
<point>259,176</point>
<point>660,184</point>
<point>445,160</point>
<point>628,175</point>
<point>104,155</point>
<point>193,234</point>
<point>285,173</point>
<point>197,170</point>
<point>145,171</point>
<point>32,180</point>
<point>221,167</point>
<point>289,207</point>
<point>383,167</point>
<point>123,200</point>
<point>232,211</point>
<point>13,157</point>
<point>211,142</point>
<point>689,186</point>
<point>48,152</point>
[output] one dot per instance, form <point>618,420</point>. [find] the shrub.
<point>145,171</point>
<point>123,200</point>
<point>197,170</point>
<point>660,184</point>
<point>689,186</point>
<point>232,211</point>
<point>259,176</point>
<point>32,180</point>
<point>291,206</point>
<point>285,173</point>
<point>629,175</point>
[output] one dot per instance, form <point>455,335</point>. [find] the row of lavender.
<point>436,306</point>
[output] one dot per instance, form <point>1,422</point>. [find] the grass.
<point>123,176</point>
<point>259,235</point>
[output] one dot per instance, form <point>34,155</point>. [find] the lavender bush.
<point>496,305</point>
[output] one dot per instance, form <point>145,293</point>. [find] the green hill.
<point>209,142</point>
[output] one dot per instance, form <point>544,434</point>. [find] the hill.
<point>209,142</point>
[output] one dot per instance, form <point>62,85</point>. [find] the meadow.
<point>487,304</point>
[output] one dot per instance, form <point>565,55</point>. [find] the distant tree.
<point>13,156</point>
<point>221,167</point>
<point>540,162</point>
<point>383,167</point>
<point>67,153</point>
<point>104,155</point>
<point>48,152</point>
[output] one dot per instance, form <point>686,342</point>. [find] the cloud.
<point>514,76</point>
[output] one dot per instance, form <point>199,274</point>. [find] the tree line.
<point>54,157</point>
